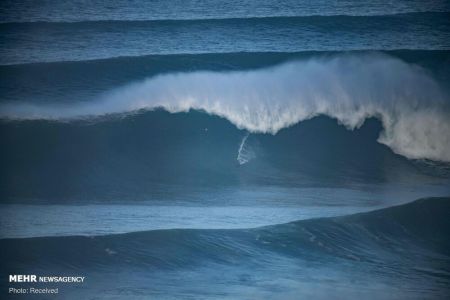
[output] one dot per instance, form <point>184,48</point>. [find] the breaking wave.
<point>412,107</point>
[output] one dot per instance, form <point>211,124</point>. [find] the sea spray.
<point>245,153</point>
<point>413,108</point>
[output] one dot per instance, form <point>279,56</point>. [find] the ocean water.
<point>227,149</point>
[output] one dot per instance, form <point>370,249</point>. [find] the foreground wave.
<point>404,245</point>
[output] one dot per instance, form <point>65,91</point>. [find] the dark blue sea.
<point>246,149</point>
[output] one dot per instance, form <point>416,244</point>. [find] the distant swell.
<point>411,105</point>
<point>387,16</point>
<point>116,38</point>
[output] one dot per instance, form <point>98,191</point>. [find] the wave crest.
<point>412,107</point>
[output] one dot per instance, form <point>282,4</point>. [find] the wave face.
<point>412,107</point>
<point>195,157</point>
<point>404,250</point>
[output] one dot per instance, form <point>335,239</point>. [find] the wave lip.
<point>412,107</point>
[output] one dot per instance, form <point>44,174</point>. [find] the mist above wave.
<point>412,107</point>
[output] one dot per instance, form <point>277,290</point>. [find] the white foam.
<point>245,153</point>
<point>350,88</point>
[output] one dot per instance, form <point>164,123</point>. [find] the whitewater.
<point>412,106</point>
